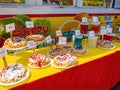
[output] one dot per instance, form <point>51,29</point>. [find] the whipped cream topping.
<point>65,58</point>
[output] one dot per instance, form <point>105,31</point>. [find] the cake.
<point>64,61</point>
<point>18,42</point>
<point>35,38</point>
<point>105,44</point>
<point>38,60</point>
<point>79,51</point>
<point>14,73</point>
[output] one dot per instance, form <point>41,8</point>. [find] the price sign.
<point>29,24</point>
<point>119,29</point>
<point>91,34</point>
<point>107,26</point>
<point>62,40</point>
<point>31,44</point>
<point>103,27</point>
<point>3,51</point>
<point>102,32</point>
<point>48,39</point>
<point>108,30</point>
<point>10,27</point>
<point>95,19</point>
<point>58,33</point>
<point>84,19</point>
<point>77,32</point>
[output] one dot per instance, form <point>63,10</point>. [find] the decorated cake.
<point>60,50</point>
<point>105,44</point>
<point>14,73</point>
<point>18,42</point>
<point>64,61</point>
<point>79,51</point>
<point>35,38</point>
<point>38,61</point>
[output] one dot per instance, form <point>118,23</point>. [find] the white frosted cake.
<point>64,61</point>
<point>38,60</point>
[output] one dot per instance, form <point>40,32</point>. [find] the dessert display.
<point>15,73</point>
<point>38,61</point>
<point>36,38</point>
<point>64,61</point>
<point>117,38</point>
<point>105,44</point>
<point>17,43</point>
<point>79,51</point>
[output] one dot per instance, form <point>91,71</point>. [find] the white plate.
<point>16,49</point>
<point>61,67</point>
<point>107,48</point>
<point>38,67</point>
<point>9,84</point>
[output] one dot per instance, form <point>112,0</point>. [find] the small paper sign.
<point>119,29</point>
<point>102,32</point>
<point>31,44</point>
<point>108,30</point>
<point>62,40</point>
<point>10,27</point>
<point>91,34</point>
<point>103,27</point>
<point>77,32</point>
<point>3,52</point>
<point>107,26</point>
<point>95,19</point>
<point>84,19</point>
<point>58,33</point>
<point>29,24</point>
<point>48,39</point>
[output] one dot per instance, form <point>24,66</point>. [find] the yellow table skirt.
<point>35,74</point>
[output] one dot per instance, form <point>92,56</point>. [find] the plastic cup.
<point>83,28</point>
<point>78,41</point>
<point>95,27</point>
<point>92,42</point>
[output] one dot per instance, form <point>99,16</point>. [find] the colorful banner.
<point>93,2</point>
<point>12,1</point>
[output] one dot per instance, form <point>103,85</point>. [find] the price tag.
<point>58,33</point>
<point>48,39</point>
<point>108,30</point>
<point>91,34</point>
<point>95,19</point>
<point>31,44</point>
<point>10,27</point>
<point>102,32</point>
<point>3,51</point>
<point>77,32</point>
<point>119,29</point>
<point>103,27</point>
<point>62,40</point>
<point>29,24</point>
<point>107,26</point>
<point>84,19</point>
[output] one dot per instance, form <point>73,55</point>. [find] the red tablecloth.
<point>100,74</point>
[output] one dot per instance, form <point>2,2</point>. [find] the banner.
<point>12,1</point>
<point>93,2</point>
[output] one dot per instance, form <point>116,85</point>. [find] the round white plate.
<point>9,84</point>
<point>38,67</point>
<point>61,67</point>
<point>107,48</point>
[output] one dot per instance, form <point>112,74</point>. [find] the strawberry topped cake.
<point>38,61</point>
<point>64,61</point>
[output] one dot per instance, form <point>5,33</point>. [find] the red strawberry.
<point>2,40</point>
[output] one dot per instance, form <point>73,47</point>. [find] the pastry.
<point>36,38</point>
<point>38,60</point>
<point>18,42</point>
<point>64,61</point>
<point>105,44</point>
<point>14,73</point>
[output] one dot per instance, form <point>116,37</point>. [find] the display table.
<point>99,70</point>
